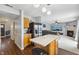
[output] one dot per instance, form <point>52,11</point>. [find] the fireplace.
<point>70,33</point>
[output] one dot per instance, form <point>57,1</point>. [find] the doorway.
<point>4,37</point>
<point>2,30</point>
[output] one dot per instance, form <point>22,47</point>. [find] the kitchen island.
<point>48,43</point>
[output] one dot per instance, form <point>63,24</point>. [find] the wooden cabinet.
<point>27,38</point>
<point>53,48</point>
<point>26,22</point>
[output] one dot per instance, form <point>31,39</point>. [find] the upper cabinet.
<point>26,22</point>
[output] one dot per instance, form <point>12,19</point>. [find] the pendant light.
<point>44,9</point>
<point>48,12</point>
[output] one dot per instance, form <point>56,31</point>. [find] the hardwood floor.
<point>64,52</point>
<point>8,47</point>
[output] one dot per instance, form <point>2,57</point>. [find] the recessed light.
<point>44,9</point>
<point>48,12</point>
<point>36,5</point>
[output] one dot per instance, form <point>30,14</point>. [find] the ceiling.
<point>8,15</point>
<point>56,9</point>
<point>60,12</point>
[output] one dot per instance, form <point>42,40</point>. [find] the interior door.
<point>2,29</point>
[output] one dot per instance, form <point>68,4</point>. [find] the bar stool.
<point>38,51</point>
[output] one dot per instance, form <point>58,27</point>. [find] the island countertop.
<point>45,40</point>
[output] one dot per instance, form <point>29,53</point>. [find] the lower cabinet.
<point>53,48</point>
<point>27,38</point>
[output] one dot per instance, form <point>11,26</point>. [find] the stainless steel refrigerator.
<point>35,29</point>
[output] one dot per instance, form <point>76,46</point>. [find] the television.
<point>56,27</point>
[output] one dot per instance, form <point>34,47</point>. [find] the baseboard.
<point>19,46</point>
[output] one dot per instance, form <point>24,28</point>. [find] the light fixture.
<point>44,9</point>
<point>36,5</point>
<point>48,12</point>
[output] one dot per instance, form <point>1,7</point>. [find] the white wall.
<point>36,19</point>
<point>18,32</point>
<point>77,31</point>
<point>7,22</point>
<point>64,29</point>
<point>47,26</point>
